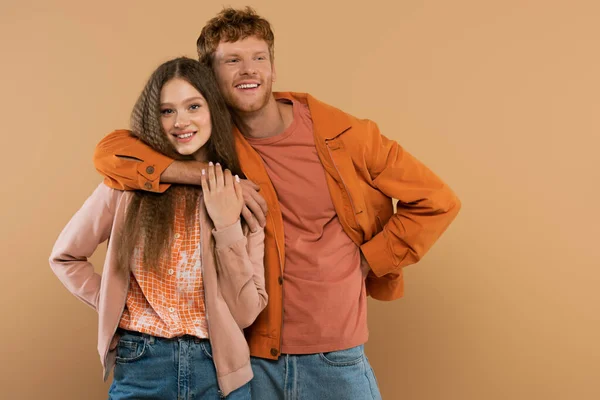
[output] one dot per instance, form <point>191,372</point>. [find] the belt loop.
<point>149,338</point>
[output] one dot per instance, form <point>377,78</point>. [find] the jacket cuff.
<point>149,173</point>
<point>228,236</point>
<point>379,256</point>
<point>387,288</point>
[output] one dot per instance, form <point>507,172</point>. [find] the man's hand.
<point>189,173</point>
<point>255,206</point>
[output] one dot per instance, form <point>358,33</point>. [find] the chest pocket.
<point>350,203</point>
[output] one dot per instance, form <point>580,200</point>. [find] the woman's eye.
<point>166,111</point>
<point>194,106</point>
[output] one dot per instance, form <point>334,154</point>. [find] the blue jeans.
<point>339,375</point>
<point>150,367</point>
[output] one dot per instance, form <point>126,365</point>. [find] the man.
<point>328,179</point>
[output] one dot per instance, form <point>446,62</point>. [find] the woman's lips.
<point>184,137</point>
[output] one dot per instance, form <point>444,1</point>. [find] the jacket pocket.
<point>352,205</point>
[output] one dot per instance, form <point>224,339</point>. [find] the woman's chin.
<point>187,150</point>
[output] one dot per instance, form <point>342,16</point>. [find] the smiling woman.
<point>185,118</point>
<point>160,280</point>
<point>188,93</point>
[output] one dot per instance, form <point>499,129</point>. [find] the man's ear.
<point>274,72</point>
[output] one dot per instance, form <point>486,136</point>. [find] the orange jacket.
<point>365,172</point>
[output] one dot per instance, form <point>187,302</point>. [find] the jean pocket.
<point>131,348</point>
<point>341,358</point>
<point>206,348</point>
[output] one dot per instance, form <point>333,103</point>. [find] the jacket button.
<point>280,280</point>
<point>148,185</point>
<point>150,170</point>
<point>274,352</point>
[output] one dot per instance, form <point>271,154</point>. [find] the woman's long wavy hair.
<point>150,216</point>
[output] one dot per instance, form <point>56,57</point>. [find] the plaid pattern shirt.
<point>169,301</point>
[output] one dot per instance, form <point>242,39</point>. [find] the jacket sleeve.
<point>89,227</point>
<point>241,272</point>
<point>127,163</point>
<point>426,206</point>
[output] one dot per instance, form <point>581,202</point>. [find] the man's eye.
<point>232,60</point>
<point>166,111</point>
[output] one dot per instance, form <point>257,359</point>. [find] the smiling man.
<point>332,236</point>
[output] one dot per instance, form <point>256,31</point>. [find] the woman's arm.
<point>239,258</point>
<point>241,272</point>
<point>89,227</point>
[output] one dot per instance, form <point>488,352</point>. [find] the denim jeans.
<point>339,375</point>
<point>149,367</point>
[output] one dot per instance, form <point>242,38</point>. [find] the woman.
<point>181,278</point>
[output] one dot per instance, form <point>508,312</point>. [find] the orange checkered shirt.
<point>169,301</point>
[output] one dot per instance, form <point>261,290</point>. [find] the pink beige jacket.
<point>233,273</point>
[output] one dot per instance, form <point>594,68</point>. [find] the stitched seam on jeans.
<point>127,360</point>
<point>341,363</point>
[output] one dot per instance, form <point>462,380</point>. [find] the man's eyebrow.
<point>236,54</point>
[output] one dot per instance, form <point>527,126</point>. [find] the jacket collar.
<point>328,122</point>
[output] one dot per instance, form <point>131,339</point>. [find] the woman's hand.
<point>222,195</point>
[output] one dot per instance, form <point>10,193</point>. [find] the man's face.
<point>245,73</point>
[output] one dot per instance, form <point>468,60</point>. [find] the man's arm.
<point>426,206</point>
<point>127,163</point>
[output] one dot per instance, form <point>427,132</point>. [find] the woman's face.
<point>185,117</point>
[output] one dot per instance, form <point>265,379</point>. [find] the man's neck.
<point>269,121</point>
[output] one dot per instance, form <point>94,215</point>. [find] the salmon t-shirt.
<point>324,295</point>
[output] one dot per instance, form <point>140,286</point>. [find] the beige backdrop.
<point>500,98</point>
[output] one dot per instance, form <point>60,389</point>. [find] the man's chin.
<point>244,107</point>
